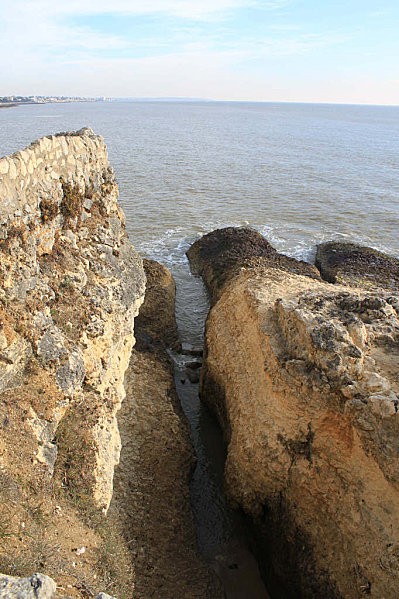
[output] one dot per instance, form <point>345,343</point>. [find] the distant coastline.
<point>9,101</point>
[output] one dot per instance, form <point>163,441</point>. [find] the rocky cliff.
<point>303,376</point>
<point>71,285</point>
<point>95,454</point>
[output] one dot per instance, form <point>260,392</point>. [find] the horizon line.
<point>99,98</point>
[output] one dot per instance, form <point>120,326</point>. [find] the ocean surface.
<point>300,174</point>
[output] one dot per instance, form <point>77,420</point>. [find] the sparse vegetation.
<point>48,210</point>
<point>66,283</point>
<point>71,204</point>
<point>16,232</point>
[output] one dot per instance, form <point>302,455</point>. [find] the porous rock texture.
<point>151,493</point>
<point>71,284</point>
<point>37,586</point>
<point>303,376</point>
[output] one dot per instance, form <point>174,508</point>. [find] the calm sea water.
<point>300,174</point>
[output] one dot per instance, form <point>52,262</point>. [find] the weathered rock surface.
<point>220,255</point>
<point>71,284</point>
<point>156,322</point>
<point>151,494</point>
<point>37,586</point>
<point>357,266</point>
<point>303,376</point>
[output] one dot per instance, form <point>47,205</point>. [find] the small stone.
<point>70,237</point>
<point>191,350</point>
<point>374,382</point>
<point>37,586</point>
<point>193,375</point>
<point>349,391</point>
<point>382,406</point>
<point>87,204</point>
<point>364,424</point>
<point>193,365</point>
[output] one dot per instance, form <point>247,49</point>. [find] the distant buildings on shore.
<point>14,100</point>
<point>47,99</point>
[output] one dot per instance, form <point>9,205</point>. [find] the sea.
<point>298,173</point>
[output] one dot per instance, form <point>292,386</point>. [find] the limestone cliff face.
<point>71,285</point>
<point>304,378</point>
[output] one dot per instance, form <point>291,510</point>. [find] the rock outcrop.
<point>71,284</point>
<point>220,255</point>
<point>357,266</point>
<point>37,586</point>
<point>156,322</point>
<point>303,376</point>
<point>151,494</point>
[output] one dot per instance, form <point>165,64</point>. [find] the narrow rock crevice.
<point>224,539</point>
<point>151,485</point>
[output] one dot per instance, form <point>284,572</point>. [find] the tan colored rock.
<point>68,298</point>
<point>221,255</point>
<point>313,454</point>
<point>55,285</point>
<point>4,166</point>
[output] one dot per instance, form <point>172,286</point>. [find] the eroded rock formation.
<point>303,376</point>
<point>71,285</point>
<point>220,255</point>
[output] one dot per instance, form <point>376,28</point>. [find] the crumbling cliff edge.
<point>303,376</point>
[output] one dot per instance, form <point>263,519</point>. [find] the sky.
<point>344,51</point>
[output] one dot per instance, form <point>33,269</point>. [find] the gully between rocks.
<point>223,537</point>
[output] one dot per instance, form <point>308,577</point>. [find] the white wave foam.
<point>171,246</point>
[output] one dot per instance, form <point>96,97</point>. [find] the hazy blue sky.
<point>266,50</point>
